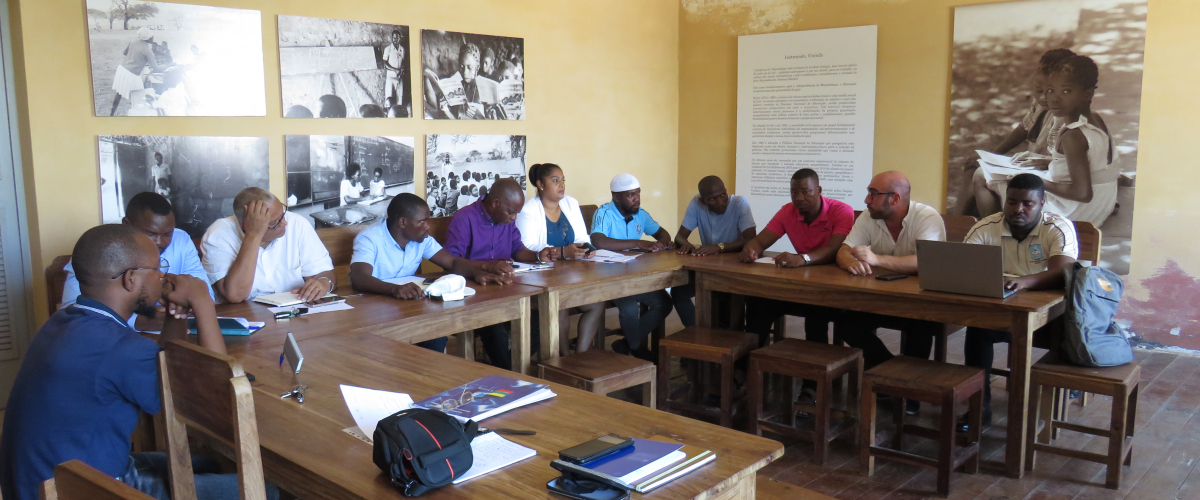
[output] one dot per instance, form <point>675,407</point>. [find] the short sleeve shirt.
<point>835,218</point>
<point>377,247</point>
<point>473,235</point>
<point>1053,236</point>
<point>714,228</point>
<point>923,222</point>
<point>280,267</point>
<point>392,55</point>
<point>609,221</point>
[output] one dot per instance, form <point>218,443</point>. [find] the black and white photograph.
<point>1025,75</point>
<point>473,77</point>
<point>340,180</point>
<point>460,169</point>
<point>169,59</point>
<point>331,68</point>
<point>199,175</point>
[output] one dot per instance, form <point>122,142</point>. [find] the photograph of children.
<point>339,180</point>
<point>473,77</point>
<point>330,68</point>
<point>1051,87</point>
<point>199,175</point>
<point>169,59</point>
<point>460,169</point>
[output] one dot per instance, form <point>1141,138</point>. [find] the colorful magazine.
<point>486,397</point>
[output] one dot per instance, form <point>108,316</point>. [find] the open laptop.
<point>965,268</point>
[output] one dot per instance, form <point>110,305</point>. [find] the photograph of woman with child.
<point>1051,87</point>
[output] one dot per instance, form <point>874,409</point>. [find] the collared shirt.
<point>393,55</point>
<point>181,256</point>
<point>280,267</point>
<point>835,218</point>
<point>1054,235</point>
<point>714,228</point>
<point>923,222</point>
<point>473,235</point>
<point>377,247</point>
<point>78,394</point>
<point>609,221</point>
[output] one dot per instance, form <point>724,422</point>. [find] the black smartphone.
<point>428,281</point>
<point>596,448</point>
<point>590,247</point>
<point>891,277</point>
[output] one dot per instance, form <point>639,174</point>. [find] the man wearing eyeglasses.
<point>151,214</point>
<point>725,223</point>
<point>885,236</point>
<point>264,249</point>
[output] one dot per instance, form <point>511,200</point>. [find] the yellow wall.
<point>911,114</point>
<point>602,83</point>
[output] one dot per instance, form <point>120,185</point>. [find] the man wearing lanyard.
<point>87,375</point>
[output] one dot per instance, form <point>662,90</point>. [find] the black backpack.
<point>423,449</point>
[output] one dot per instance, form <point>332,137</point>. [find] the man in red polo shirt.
<point>816,226</point>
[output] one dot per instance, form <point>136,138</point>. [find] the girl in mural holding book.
<point>1083,179</point>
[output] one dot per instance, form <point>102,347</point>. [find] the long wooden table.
<point>830,286</point>
<point>408,321</point>
<point>574,283</point>
<point>306,452</point>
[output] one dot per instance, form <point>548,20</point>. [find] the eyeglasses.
<point>277,222</point>
<point>873,193</point>
<point>163,265</point>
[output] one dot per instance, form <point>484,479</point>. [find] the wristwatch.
<point>807,259</point>
<point>721,247</point>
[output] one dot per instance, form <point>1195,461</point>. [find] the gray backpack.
<point>1091,338</point>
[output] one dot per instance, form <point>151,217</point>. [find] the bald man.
<point>884,240</point>
<point>87,375</point>
<point>485,231</point>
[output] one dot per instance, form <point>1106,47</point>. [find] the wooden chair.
<point>340,243</point>
<point>56,279</point>
<point>957,226</point>
<point>210,393</point>
<point>1119,382</point>
<point>933,382</point>
<point>723,347</point>
<point>75,480</point>
<point>822,363</point>
<point>602,372</point>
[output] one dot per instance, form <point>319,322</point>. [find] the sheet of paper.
<point>369,406</point>
<point>765,260</point>
<point>994,172</point>
<point>602,255</point>
<point>522,267</point>
<point>493,452</point>
<point>339,306</point>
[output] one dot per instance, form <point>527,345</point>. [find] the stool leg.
<point>866,462</point>
<point>939,346</point>
<point>976,434</point>
<point>1130,419</point>
<point>1116,441</point>
<point>755,381</point>
<point>664,378</point>
<point>789,399</point>
<point>695,392</point>
<point>649,394</point>
<point>1083,400</point>
<point>821,424</point>
<point>854,395</point>
<point>946,445</point>
<point>1062,408</point>
<point>726,390</point>
<point>780,332</point>
<point>898,420</point>
<point>1046,413</point>
<point>1031,435</point>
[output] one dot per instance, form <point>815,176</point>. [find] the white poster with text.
<point>806,99</point>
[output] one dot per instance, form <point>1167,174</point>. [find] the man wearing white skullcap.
<point>128,78</point>
<point>620,225</point>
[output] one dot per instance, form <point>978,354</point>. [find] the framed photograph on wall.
<point>338,180</point>
<point>459,169</point>
<point>472,77</point>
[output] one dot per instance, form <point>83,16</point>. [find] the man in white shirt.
<point>886,235</point>
<point>1037,245</point>
<point>255,252</point>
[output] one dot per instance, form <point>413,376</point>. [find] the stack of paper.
<point>493,452</point>
<point>283,299</point>
<point>1001,168</point>
<point>487,397</point>
<point>610,256</point>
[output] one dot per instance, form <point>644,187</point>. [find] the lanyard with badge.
<point>93,309</point>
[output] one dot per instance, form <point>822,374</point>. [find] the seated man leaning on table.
<point>485,231</point>
<point>725,223</point>
<point>620,225</point>
<point>87,375</point>
<point>816,227</point>
<point>394,249</point>
<point>885,236</point>
<point>1037,245</point>
<point>264,249</point>
<point>152,215</point>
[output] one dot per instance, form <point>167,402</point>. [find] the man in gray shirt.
<point>725,224</point>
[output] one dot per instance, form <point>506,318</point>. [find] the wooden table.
<point>408,321</point>
<point>574,283</point>
<point>306,452</point>
<point>830,286</point>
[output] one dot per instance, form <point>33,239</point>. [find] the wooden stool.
<point>802,359</point>
<point>1120,382</point>
<point>942,384</point>
<point>704,344</point>
<point>601,372</point>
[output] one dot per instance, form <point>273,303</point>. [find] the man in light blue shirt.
<point>725,224</point>
<point>151,214</point>
<point>395,249</point>
<point>620,225</point>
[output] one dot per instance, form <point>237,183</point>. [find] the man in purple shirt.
<point>485,231</point>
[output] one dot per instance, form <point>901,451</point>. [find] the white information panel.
<point>806,99</point>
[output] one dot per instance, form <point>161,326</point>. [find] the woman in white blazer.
<point>553,219</point>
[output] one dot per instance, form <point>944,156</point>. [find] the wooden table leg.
<point>1018,393</point>
<point>520,337</point>
<point>704,303</point>
<point>548,303</point>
